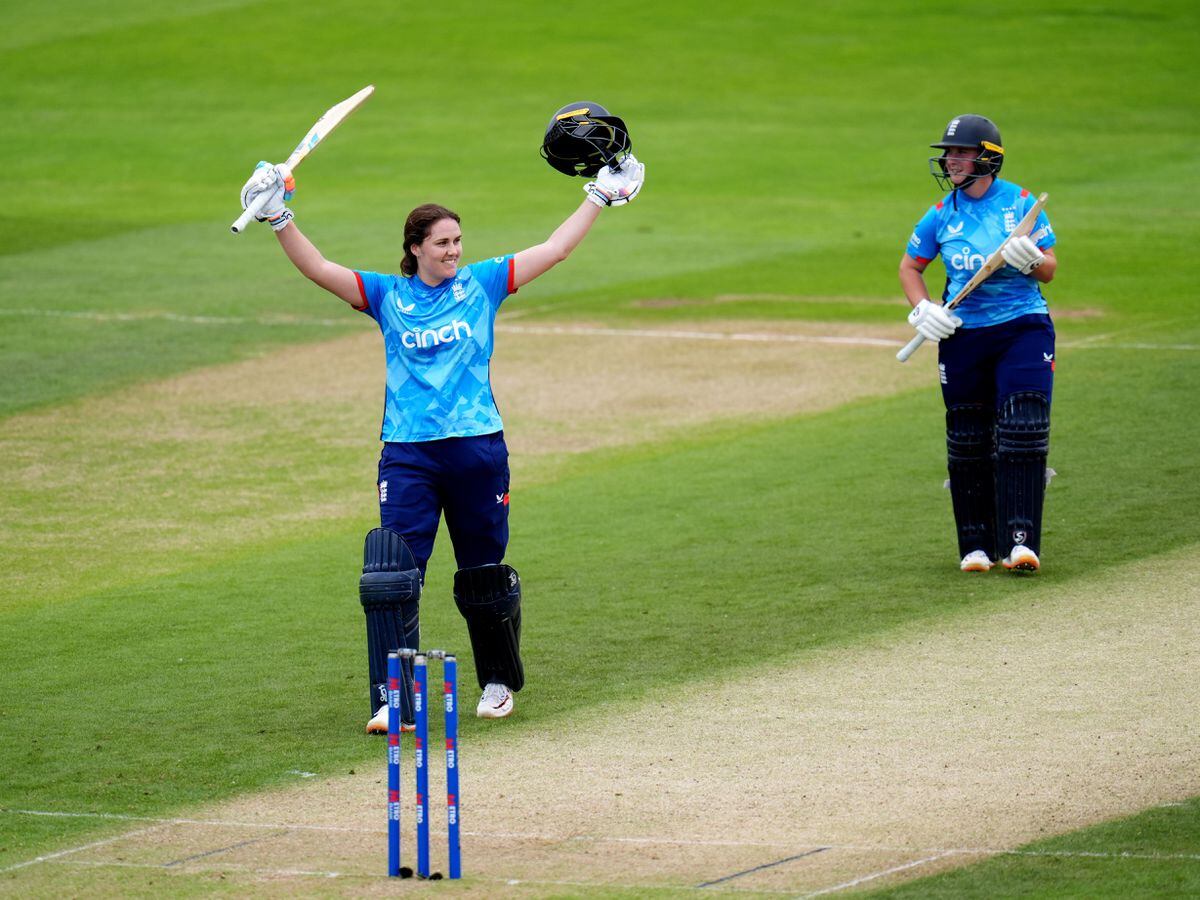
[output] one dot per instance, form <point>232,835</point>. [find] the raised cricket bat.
<point>333,117</point>
<point>994,262</point>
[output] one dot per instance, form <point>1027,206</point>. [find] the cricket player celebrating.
<point>995,350</point>
<point>444,449</point>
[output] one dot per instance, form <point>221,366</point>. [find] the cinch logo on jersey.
<point>966,261</point>
<point>422,338</point>
<point>965,235</point>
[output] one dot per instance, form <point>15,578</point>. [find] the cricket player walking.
<point>995,349</point>
<point>444,449</point>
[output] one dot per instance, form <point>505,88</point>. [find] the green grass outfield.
<point>786,155</point>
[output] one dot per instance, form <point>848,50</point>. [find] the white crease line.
<point>1132,346</point>
<point>318,873</point>
<point>682,842</point>
<point>857,881</point>
<point>191,869</point>
<point>176,317</point>
<point>579,330</point>
<point>558,838</point>
<point>992,851</point>
<point>50,857</point>
<point>588,331</point>
<point>211,823</point>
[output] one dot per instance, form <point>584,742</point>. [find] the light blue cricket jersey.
<point>438,342</point>
<point>965,232</point>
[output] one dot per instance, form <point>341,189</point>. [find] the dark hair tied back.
<point>417,227</point>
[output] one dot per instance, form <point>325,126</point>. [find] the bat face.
<point>333,117</point>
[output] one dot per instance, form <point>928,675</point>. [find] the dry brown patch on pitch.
<point>925,748</point>
<point>576,391</point>
<point>213,457</point>
<point>781,299</point>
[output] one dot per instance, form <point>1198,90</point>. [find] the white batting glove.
<point>1023,254</point>
<point>932,321</point>
<point>617,187</point>
<point>279,185</point>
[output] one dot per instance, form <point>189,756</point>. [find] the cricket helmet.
<point>974,131</point>
<point>583,137</point>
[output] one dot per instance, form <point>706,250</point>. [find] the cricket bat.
<point>333,117</point>
<point>994,262</point>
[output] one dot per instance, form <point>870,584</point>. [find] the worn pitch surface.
<point>926,749</point>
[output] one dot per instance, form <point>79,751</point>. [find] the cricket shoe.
<point>976,561</point>
<point>496,702</point>
<point>379,722</point>
<point>1022,559</point>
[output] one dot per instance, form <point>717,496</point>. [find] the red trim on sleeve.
<point>922,260</point>
<point>512,274</point>
<point>939,205</point>
<point>1024,193</point>
<point>362,291</point>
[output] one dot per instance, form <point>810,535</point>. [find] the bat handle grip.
<point>249,213</point>
<point>910,348</point>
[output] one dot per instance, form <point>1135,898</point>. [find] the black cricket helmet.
<point>583,137</point>
<point>969,131</point>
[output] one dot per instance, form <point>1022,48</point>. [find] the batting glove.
<point>617,187</point>
<point>933,321</point>
<point>279,185</point>
<point>1023,254</point>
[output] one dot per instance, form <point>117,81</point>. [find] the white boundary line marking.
<point>857,881</point>
<point>1087,343</point>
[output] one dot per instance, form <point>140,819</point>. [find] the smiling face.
<point>438,255</point>
<point>960,163</point>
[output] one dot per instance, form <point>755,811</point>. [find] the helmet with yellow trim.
<point>973,131</point>
<point>583,137</point>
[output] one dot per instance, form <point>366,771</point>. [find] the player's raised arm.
<point>583,139</point>
<point>278,186</point>
<point>611,188</point>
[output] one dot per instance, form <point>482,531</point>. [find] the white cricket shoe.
<point>496,702</point>
<point>976,561</point>
<point>379,722</point>
<point>1022,559</point>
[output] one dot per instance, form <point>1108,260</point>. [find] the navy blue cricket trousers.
<point>464,477</point>
<point>987,365</point>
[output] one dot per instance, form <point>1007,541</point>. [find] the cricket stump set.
<point>421,700</point>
